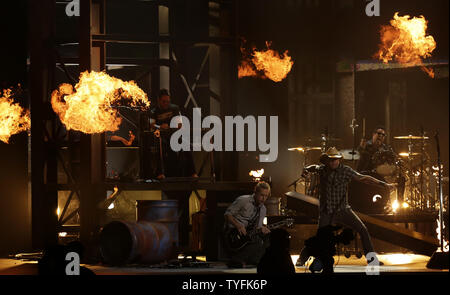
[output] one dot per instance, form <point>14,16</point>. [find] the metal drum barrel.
<point>273,206</point>
<point>141,242</point>
<point>161,211</point>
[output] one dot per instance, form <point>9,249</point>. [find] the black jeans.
<point>348,218</point>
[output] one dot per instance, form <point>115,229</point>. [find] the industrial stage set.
<point>130,130</point>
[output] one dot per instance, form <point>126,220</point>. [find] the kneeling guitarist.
<point>243,218</point>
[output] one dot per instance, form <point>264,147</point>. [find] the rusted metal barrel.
<point>273,206</point>
<point>141,242</point>
<point>161,211</point>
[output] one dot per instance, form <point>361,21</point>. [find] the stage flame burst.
<point>266,64</point>
<point>405,41</point>
<point>89,107</point>
<point>257,174</point>
<point>13,118</point>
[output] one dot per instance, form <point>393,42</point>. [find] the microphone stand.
<point>161,156</point>
<point>440,259</point>
<point>441,199</point>
<point>422,152</point>
<point>353,126</point>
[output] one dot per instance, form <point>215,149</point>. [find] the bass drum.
<point>385,163</point>
<point>367,198</point>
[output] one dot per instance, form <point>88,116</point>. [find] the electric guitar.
<point>235,241</point>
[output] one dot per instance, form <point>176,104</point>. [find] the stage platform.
<point>394,263</point>
<point>384,228</point>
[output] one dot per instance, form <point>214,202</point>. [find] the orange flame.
<point>256,174</point>
<point>245,69</point>
<point>89,108</point>
<point>405,40</point>
<point>266,64</point>
<point>13,118</point>
<point>429,71</point>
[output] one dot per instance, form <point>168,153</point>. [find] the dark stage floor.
<point>393,263</point>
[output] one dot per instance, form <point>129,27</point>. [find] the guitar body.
<point>234,241</point>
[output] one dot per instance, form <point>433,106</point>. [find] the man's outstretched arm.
<point>367,179</point>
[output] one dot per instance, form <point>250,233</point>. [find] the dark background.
<point>15,202</point>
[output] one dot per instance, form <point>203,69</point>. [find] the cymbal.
<point>319,138</point>
<point>409,154</point>
<point>305,148</point>
<point>411,137</point>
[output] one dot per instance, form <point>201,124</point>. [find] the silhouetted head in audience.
<point>322,246</point>
<point>277,260</point>
<point>279,239</point>
<point>53,261</point>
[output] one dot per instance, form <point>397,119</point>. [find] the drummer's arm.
<point>309,169</point>
<point>363,162</point>
<point>362,145</point>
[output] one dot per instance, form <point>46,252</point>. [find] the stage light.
<point>395,206</point>
<point>294,258</point>
<point>109,202</point>
<point>439,237</point>
<point>401,258</point>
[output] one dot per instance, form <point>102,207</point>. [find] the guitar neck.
<point>270,226</point>
<point>276,224</point>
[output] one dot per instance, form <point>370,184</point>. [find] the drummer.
<point>367,164</point>
<point>368,148</point>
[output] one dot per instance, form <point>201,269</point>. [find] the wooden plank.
<point>303,205</point>
<point>415,241</point>
<point>302,197</point>
<point>379,229</point>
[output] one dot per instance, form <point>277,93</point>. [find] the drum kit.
<point>309,184</point>
<point>412,171</point>
<point>416,167</point>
